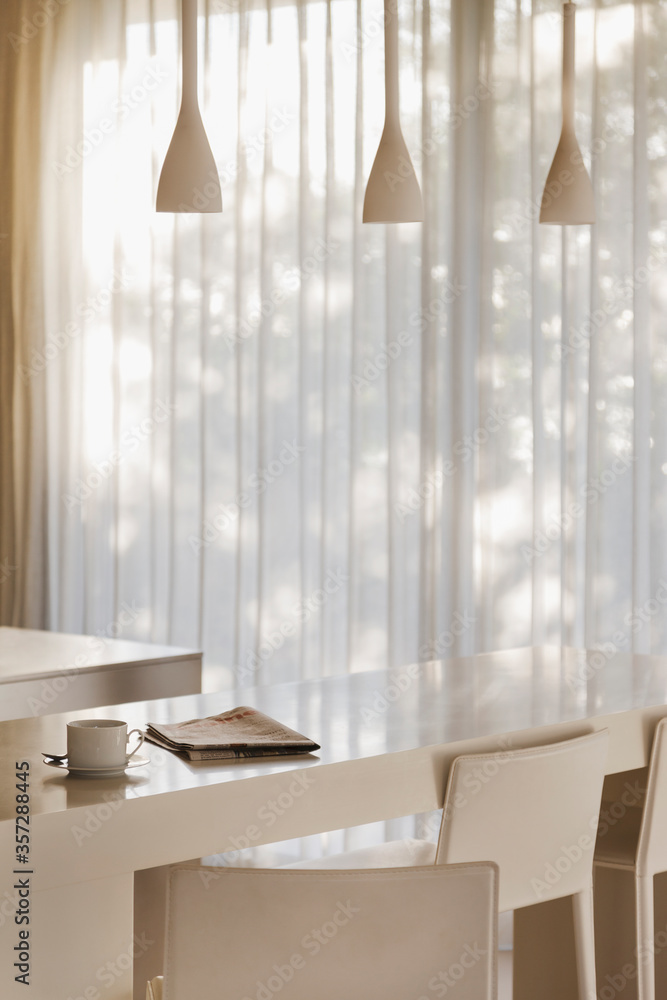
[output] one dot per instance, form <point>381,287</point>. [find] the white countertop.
<point>30,654</point>
<point>356,717</point>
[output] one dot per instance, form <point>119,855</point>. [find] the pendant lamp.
<point>189,180</point>
<point>568,193</point>
<point>392,193</point>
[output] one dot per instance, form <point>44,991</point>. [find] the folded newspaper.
<point>241,732</point>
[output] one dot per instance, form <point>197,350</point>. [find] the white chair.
<point>534,812</point>
<point>638,843</point>
<point>251,934</point>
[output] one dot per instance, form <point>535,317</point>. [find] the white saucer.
<point>98,772</point>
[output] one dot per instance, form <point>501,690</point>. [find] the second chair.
<point>637,845</point>
<point>534,812</point>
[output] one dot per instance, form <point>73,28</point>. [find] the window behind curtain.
<point>312,446</point>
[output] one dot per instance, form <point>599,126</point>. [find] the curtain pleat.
<point>263,361</point>
<point>467,34</point>
<point>428,458</point>
<point>488,465</point>
<point>9,542</point>
<point>655,79</point>
<point>239,343</point>
<point>642,585</point>
<point>27,570</point>
<point>329,459</point>
<point>305,335</point>
<point>538,576</point>
<point>356,53</point>
<point>566,431</point>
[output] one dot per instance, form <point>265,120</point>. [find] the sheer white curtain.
<point>312,446</point>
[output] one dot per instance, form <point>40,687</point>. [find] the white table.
<point>387,742</point>
<point>46,672</point>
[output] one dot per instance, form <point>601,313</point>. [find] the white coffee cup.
<point>99,743</point>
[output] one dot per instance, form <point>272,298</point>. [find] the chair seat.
<point>406,853</point>
<point>617,845</point>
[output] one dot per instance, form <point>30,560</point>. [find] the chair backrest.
<point>534,812</point>
<point>652,844</point>
<point>254,934</point>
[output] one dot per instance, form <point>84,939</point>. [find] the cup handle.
<point>139,744</point>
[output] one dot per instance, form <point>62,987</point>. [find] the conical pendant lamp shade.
<point>189,180</point>
<point>392,193</point>
<point>568,198</point>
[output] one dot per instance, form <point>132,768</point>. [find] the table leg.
<point>615,954</point>
<point>150,907</point>
<point>615,944</point>
<point>544,957</point>
<point>150,901</point>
